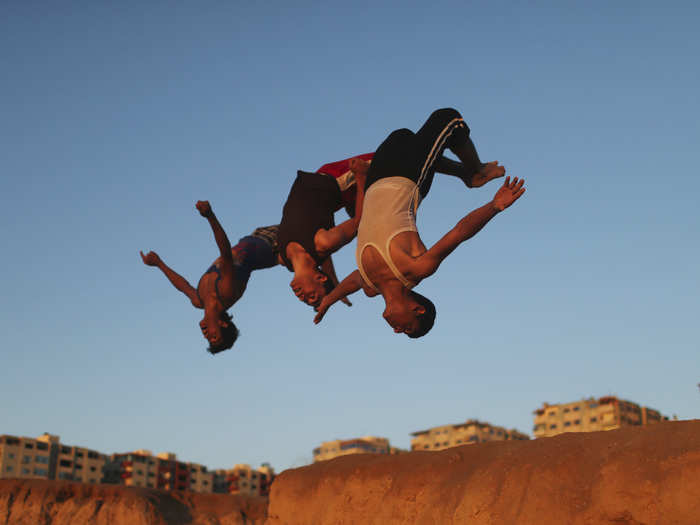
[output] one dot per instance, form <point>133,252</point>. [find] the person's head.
<point>310,287</point>
<point>412,314</point>
<point>219,330</point>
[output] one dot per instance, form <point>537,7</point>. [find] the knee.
<point>447,115</point>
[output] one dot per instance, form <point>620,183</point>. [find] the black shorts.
<point>412,155</point>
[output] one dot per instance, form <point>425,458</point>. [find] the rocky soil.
<point>40,502</point>
<point>632,476</point>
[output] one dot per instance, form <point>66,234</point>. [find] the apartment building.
<point>589,415</point>
<point>164,471</point>
<point>243,479</point>
<point>343,447</point>
<point>471,431</point>
<point>46,458</point>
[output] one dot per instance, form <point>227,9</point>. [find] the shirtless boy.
<point>226,279</point>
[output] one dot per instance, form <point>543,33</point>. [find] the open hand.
<point>150,259</point>
<point>508,193</point>
<point>204,208</point>
<point>489,171</point>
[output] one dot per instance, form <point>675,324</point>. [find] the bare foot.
<point>488,172</point>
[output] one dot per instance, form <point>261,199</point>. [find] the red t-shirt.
<point>341,171</point>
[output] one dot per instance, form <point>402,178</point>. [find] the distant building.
<point>589,415</point>
<point>471,431</point>
<point>344,447</point>
<point>142,469</point>
<point>243,479</point>
<point>46,458</point>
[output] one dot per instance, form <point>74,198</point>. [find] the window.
<point>42,459</point>
<point>567,423</point>
<point>41,472</point>
<point>553,426</point>
<point>8,468</point>
<point>25,471</point>
<point>26,459</point>
<point>567,409</point>
<point>28,445</point>
<point>11,455</point>
<point>577,421</point>
<point>594,419</point>
<point>577,408</point>
<point>446,443</point>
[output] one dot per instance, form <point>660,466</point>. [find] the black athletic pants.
<point>412,155</point>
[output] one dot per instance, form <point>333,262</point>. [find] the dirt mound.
<point>632,476</point>
<point>40,502</point>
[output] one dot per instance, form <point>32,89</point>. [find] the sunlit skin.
<point>205,295</point>
<point>308,281</point>
<point>416,262</point>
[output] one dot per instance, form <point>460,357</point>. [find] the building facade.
<point>46,458</point>
<point>243,479</point>
<point>163,471</point>
<point>343,447</point>
<point>471,431</point>
<point>590,415</point>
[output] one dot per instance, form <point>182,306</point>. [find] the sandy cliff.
<point>38,502</point>
<point>633,476</point>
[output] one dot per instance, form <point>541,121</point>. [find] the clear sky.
<point>115,118</point>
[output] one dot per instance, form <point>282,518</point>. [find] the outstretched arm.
<point>330,241</point>
<point>349,285</point>
<point>179,282</point>
<point>469,226</point>
<point>219,234</point>
<point>329,269</point>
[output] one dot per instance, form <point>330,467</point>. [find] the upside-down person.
<point>391,258</point>
<point>226,279</point>
<point>308,234</point>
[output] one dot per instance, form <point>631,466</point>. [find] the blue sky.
<point>116,119</point>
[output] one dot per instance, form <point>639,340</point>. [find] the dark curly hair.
<point>425,320</point>
<point>229,334</point>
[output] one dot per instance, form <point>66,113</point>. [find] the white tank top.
<point>389,208</point>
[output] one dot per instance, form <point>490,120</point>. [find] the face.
<point>403,316</point>
<point>309,288</point>
<point>211,329</point>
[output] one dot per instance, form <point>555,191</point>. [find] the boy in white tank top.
<point>391,258</point>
